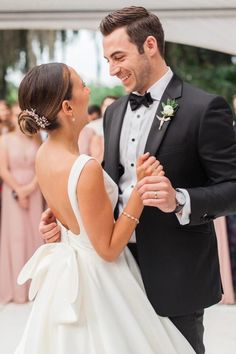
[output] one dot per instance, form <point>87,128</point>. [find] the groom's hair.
<point>139,24</point>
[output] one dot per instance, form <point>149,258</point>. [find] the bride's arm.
<point>107,237</point>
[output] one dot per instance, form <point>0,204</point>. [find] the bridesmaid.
<point>22,206</point>
<point>224,257</point>
<point>91,139</point>
<point>231,228</point>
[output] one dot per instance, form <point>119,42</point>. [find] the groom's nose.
<point>114,69</point>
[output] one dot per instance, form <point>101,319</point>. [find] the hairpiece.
<point>42,122</point>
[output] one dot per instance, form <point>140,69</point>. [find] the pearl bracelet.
<point>131,217</point>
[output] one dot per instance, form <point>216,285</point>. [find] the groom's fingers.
<point>49,231</point>
<point>48,216</point>
<point>157,191</point>
<point>152,183</point>
<point>55,238</point>
<point>154,202</point>
<point>160,195</point>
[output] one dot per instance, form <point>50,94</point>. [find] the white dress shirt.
<point>135,129</point>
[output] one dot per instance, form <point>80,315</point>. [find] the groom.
<point>190,132</point>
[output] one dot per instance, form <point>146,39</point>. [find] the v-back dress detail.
<point>86,305</point>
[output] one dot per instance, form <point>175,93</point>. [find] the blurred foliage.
<point>99,92</point>
<point>207,69</point>
<point>17,48</point>
<point>12,94</point>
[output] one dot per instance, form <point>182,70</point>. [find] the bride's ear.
<point>66,108</point>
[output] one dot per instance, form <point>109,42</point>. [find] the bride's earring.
<point>73,119</point>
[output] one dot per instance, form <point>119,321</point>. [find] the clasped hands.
<point>23,193</point>
<point>154,188</point>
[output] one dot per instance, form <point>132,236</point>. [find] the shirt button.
<point>132,164</point>
<point>133,139</point>
<point>132,186</point>
<point>138,115</point>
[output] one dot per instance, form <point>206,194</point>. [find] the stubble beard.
<point>143,77</point>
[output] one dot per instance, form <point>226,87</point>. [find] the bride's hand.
<point>148,166</point>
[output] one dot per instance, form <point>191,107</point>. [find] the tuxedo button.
<point>204,217</point>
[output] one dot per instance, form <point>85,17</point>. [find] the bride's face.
<point>80,98</point>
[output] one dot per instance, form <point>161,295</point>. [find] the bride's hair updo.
<point>41,93</point>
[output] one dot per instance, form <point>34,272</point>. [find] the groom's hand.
<point>157,191</point>
<point>48,227</point>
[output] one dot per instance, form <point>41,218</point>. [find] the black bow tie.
<point>136,101</point>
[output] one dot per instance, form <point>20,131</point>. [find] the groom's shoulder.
<point>192,91</point>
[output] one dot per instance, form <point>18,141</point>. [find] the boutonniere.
<point>169,109</point>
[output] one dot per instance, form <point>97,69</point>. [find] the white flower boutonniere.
<point>169,109</point>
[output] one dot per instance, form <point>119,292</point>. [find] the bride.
<point>89,296</point>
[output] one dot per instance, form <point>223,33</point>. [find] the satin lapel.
<point>156,136</point>
<point>112,158</point>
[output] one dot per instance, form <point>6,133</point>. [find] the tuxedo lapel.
<point>156,136</point>
<point>112,157</point>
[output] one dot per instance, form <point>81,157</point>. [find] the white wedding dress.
<point>85,305</point>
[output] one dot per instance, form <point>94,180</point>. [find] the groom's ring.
<point>155,195</point>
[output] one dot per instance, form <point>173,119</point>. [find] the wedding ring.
<point>155,195</point>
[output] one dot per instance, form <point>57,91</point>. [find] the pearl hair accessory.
<point>42,122</point>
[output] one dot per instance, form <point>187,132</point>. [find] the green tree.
<point>210,70</point>
<point>99,92</point>
<point>17,49</point>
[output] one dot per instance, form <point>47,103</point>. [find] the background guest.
<point>234,103</point>
<point>231,223</point>
<point>94,112</point>
<point>22,205</point>
<point>6,124</point>
<point>224,258</point>
<point>91,141</point>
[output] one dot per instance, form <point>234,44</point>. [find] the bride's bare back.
<point>53,166</point>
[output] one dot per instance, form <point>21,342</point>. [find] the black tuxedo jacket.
<point>179,264</point>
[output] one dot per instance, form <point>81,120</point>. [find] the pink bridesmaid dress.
<point>224,257</point>
<point>19,236</point>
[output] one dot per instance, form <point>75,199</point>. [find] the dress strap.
<point>75,172</point>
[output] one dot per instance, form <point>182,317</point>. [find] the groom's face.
<point>125,61</point>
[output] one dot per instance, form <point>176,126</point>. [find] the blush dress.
<point>19,235</point>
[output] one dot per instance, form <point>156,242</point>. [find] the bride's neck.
<point>67,140</point>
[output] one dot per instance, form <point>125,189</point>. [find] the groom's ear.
<point>66,107</point>
<point>150,45</point>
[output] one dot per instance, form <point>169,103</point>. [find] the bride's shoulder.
<point>53,161</point>
<point>91,175</point>
<point>91,167</point>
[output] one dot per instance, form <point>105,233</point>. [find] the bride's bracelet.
<point>131,217</point>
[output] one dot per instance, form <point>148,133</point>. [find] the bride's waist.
<point>77,241</point>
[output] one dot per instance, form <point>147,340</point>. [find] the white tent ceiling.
<point>209,24</point>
